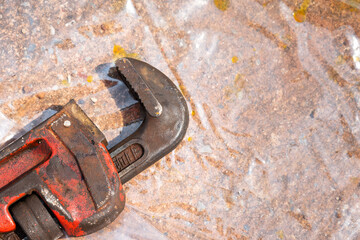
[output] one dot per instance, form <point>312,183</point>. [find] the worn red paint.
<point>111,166</point>
<point>14,166</point>
<point>72,228</point>
<point>55,174</point>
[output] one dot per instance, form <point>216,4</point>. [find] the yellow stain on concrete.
<point>222,5</point>
<point>65,82</point>
<point>280,234</point>
<point>89,79</point>
<point>300,14</point>
<point>120,52</point>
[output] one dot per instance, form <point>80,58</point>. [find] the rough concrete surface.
<point>272,151</point>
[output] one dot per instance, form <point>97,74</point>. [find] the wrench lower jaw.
<point>35,220</point>
<point>9,236</point>
<point>158,135</point>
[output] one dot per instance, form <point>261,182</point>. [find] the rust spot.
<point>179,159</point>
<point>338,214</point>
<point>269,35</point>
<point>350,139</point>
<point>220,226</point>
<point>258,161</point>
<point>198,158</point>
<point>144,191</point>
<point>301,219</point>
<point>355,153</point>
<point>216,164</point>
<point>168,161</point>
<point>333,75</point>
<point>236,134</point>
<point>231,234</point>
<point>228,172</point>
<point>141,177</point>
<point>191,209</point>
<point>118,5</point>
<point>40,95</point>
<point>100,30</point>
<point>228,198</point>
<point>65,44</point>
<point>159,166</point>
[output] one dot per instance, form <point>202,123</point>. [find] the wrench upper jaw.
<point>161,131</point>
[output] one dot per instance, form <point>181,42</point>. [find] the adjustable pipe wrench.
<point>61,177</point>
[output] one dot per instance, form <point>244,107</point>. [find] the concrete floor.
<point>272,151</point>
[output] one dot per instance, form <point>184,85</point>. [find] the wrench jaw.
<point>161,131</point>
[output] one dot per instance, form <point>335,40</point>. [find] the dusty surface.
<point>272,151</point>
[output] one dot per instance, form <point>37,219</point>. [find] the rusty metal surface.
<point>272,150</point>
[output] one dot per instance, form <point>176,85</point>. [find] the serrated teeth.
<point>138,84</point>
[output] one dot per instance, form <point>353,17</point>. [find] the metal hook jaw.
<point>165,123</point>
